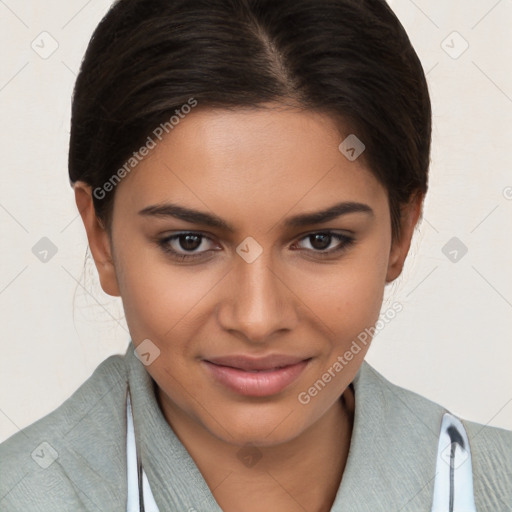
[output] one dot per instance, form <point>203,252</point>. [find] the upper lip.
<point>246,363</point>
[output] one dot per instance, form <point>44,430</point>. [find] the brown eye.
<point>319,243</point>
<point>189,242</point>
<point>184,246</point>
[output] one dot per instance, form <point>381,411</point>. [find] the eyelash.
<point>346,242</point>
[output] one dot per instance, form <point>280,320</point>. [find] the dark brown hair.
<point>351,59</point>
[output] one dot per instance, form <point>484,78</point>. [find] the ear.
<point>98,237</point>
<point>409,217</point>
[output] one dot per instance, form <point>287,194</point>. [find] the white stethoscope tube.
<point>140,497</point>
<point>453,487</point>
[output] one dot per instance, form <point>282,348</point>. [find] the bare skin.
<point>254,169</point>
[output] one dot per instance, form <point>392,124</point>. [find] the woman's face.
<point>252,309</point>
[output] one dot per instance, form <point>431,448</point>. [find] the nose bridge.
<point>258,302</point>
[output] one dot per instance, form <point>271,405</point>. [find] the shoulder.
<point>417,418</point>
<point>491,450</point>
<point>67,458</point>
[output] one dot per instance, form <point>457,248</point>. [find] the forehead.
<point>262,160</point>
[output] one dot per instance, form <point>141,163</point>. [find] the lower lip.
<point>264,383</point>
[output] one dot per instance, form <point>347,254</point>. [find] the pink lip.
<point>256,376</point>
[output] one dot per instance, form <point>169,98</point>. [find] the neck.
<point>248,478</point>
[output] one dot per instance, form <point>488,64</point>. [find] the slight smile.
<point>259,377</point>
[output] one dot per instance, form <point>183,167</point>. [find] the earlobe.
<point>396,260</point>
<point>98,237</point>
<point>410,215</point>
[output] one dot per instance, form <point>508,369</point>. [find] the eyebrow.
<point>165,210</point>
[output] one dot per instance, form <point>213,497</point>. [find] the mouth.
<point>256,377</point>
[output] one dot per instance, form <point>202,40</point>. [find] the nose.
<point>257,302</point>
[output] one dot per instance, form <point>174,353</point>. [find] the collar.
<point>391,462</point>
<point>163,456</point>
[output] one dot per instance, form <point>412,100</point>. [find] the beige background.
<point>452,341</point>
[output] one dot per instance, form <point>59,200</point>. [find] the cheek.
<point>157,296</point>
<point>347,297</point>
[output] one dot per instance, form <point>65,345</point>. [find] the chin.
<point>258,428</point>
